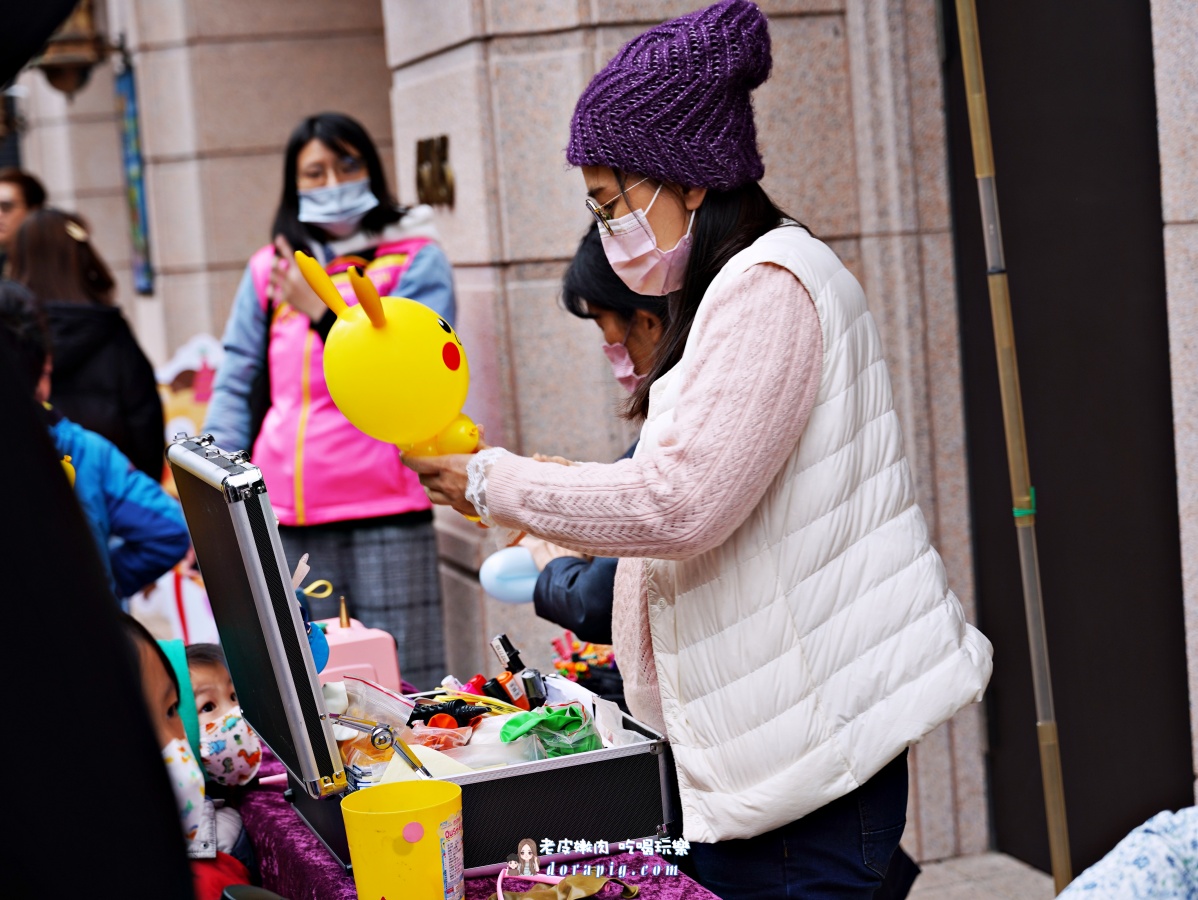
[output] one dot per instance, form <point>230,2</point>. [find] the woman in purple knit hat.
<point>779,610</point>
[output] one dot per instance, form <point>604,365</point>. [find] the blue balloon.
<point>319,645</point>
<point>317,642</point>
<point>509,575</point>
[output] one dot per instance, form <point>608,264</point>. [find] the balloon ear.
<point>321,283</point>
<point>368,297</point>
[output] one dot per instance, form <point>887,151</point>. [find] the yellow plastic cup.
<point>405,841</point>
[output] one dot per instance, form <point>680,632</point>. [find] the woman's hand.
<point>287,284</point>
<point>444,479</point>
<point>544,552</point>
<point>560,460</point>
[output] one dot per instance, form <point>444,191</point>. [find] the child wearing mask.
<point>228,746</point>
<point>212,869</point>
<point>230,752</point>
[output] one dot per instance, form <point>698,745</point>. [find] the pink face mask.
<point>631,248</point>
<point>621,364</point>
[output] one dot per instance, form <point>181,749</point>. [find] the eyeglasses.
<point>602,211</point>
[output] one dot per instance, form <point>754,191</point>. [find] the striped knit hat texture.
<point>674,102</point>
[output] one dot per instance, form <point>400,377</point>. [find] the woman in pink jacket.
<point>779,611</point>
<point>341,497</point>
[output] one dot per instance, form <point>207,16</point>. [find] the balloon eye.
<point>451,357</point>
<point>444,326</point>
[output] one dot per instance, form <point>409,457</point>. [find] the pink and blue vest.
<point>318,466</point>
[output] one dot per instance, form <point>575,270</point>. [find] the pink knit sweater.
<point>756,359</point>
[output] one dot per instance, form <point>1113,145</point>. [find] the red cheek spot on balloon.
<point>452,357</point>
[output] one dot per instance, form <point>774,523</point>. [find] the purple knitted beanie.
<point>674,102</point>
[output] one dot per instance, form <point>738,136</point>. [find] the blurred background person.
<point>20,194</point>
<point>102,379</point>
<point>137,527</point>
<point>342,497</point>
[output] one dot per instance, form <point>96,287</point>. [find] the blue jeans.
<point>841,850</point>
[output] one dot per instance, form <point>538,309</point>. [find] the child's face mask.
<point>230,749</point>
<point>187,781</point>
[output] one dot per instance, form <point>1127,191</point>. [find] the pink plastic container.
<point>365,652</point>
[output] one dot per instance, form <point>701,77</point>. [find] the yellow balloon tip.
<point>320,282</point>
<point>368,297</point>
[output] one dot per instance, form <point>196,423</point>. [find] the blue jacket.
<point>577,594</point>
<point>138,527</point>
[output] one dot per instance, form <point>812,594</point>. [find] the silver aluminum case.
<point>615,794</point>
<point>241,484</point>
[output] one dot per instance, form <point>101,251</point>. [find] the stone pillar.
<point>1174,31</point>
<point>74,147</point>
<point>222,85</point>
<point>906,266</point>
<point>852,130</point>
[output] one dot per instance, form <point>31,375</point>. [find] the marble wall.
<point>1174,33</point>
<point>852,131</point>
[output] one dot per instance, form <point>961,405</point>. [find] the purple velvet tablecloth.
<point>296,865</point>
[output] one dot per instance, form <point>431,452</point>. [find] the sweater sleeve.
<point>754,359</point>
<point>229,415</point>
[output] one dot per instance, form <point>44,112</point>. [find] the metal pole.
<point>1023,495</point>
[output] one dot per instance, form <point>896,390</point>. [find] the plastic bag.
<point>486,750</point>
<point>609,722</point>
<point>440,738</point>
<point>563,729</point>
<point>375,703</point>
<point>368,702</point>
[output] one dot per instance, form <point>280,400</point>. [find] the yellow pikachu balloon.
<point>394,367</point>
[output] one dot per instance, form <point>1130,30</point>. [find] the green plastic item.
<point>562,730</point>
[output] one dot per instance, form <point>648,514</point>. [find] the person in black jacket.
<point>102,379</point>
<point>571,591</point>
<point>47,551</point>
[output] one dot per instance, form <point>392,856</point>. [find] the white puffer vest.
<point>821,639</point>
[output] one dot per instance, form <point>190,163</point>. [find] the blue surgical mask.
<point>338,208</point>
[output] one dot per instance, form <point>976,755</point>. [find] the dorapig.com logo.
<point>526,860</point>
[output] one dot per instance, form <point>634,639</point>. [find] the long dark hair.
<point>591,284</point>
<point>726,223</point>
<point>53,256</point>
<point>338,132</point>
<point>137,633</point>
